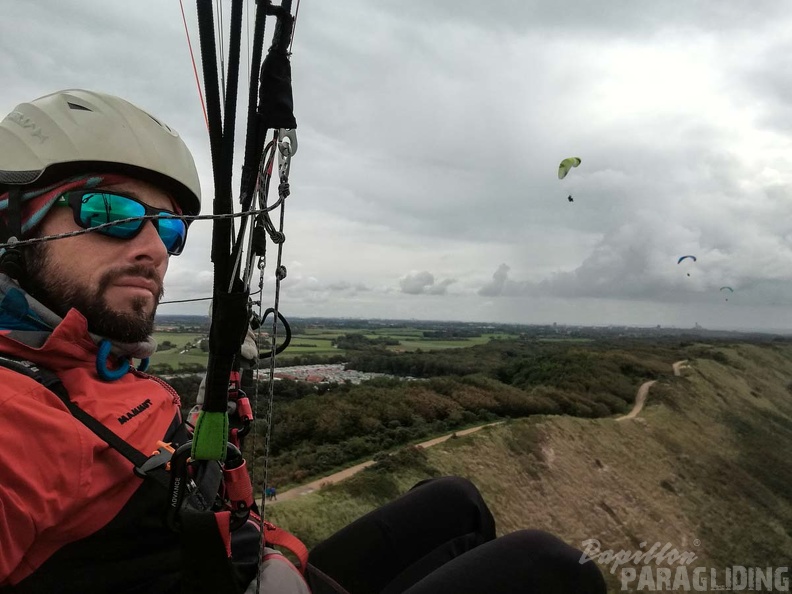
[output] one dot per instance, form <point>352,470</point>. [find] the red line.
<point>195,69</point>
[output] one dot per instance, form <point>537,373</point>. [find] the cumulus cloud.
<point>499,280</point>
<point>423,283</point>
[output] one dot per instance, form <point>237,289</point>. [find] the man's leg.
<point>406,539</point>
<point>523,562</point>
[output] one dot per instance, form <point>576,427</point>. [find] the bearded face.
<point>56,288</point>
<point>115,283</point>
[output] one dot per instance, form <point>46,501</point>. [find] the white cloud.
<point>424,283</point>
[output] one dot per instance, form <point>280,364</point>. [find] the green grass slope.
<point>705,467</point>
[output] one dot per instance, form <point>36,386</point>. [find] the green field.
<point>565,339</point>
<point>312,344</point>
<point>317,341</point>
<point>175,356</point>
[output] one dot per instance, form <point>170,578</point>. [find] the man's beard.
<point>53,288</point>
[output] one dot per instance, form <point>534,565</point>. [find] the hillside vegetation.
<point>705,467</point>
<point>319,429</point>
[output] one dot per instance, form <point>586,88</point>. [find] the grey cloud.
<point>639,17</point>
<point>346,286</point>
<point>441,287</point>
<point>424,283</point>
<point>499,279</point>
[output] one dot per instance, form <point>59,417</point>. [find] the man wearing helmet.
<point>74,517</point>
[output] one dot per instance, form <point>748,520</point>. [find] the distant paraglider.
<point>566,165</point>
<point>728,289</point>
<point>683,258</point>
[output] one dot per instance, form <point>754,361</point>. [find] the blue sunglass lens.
<point>173,232</point>
<point>99,208</point>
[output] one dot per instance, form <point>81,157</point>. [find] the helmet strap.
<point>12,261</point>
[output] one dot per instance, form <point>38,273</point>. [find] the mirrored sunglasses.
<point>93,208</point>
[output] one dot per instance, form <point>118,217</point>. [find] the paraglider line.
<point>195,69</point>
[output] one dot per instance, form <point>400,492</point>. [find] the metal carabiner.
<point>286,150</point>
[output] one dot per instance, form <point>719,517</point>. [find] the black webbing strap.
<point>13,215</point>
<point>12,262</point>
<point>206,566</point>
<point>52,382</point>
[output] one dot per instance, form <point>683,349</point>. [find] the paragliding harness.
<point>203,514</point>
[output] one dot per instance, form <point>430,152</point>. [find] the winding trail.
<point>352,470</point>
<point>643,391</point>
<point>640,399</point>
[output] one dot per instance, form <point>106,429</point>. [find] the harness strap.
<point>11,261</point>
<point>204,534</point>
<point>144,467</point>
<point>14,212</point>
<point>282,538</point>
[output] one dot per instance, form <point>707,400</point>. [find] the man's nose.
<point>149,244</point>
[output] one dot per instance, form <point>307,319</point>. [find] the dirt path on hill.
<point>640,399</point>
<point>346,473</point>
<point>643,391</point>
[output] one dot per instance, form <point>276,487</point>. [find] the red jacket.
<point>60,483</point>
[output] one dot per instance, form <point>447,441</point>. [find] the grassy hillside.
<point>706,467</point>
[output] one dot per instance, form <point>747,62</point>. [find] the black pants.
<point>440,537</point>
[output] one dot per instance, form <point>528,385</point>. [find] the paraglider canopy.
<point>566,165</point>
<point>570,198</point>
<point>682,258</point>
<point>729,289</point>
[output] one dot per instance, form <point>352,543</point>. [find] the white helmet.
<point>75,131</point>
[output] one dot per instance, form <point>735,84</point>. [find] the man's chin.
<point>130,301</point>
<point>127,321</point>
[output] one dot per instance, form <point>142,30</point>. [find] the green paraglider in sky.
<point>729,289</point>
<point>566,165</point>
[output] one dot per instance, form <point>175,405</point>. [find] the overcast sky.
<point>425,183</point>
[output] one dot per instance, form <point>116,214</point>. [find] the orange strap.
<point>287,540</point>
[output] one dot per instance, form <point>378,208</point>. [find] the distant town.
<point>332,373</point>
<point>200,324</point>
